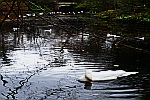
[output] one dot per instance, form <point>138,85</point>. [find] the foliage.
<point>44,4</point>
<point>96,5</point>
<point>118,9</point>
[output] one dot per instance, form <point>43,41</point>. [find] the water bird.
<point>24,16</point>
<point>110,35</point>
<point>28,14</point>
<point>90,76</point>
<point>142,38</point>
<point>15,29</point>
<point>50,30</point>
<point>33,14</point>
<point>41,13</point>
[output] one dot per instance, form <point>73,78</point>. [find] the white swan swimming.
<point>115,36</point>
<point>90,76</point>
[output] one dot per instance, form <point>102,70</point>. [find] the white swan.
<point>90,76</point>
<point>50,30</point>
<point>115,36</point>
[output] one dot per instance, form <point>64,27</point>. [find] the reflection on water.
<point>45,66</point>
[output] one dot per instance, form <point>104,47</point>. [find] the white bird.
<point>41,13</point>
<point>33,14</point>
<point>90,76</point>
<point>142,38</point>
<point>28,14</point>
<point>115,36</point>
<point>50,30</point>
<point>24,16</point>
<point>15,29</point>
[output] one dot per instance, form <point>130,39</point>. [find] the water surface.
<point>36,66</point>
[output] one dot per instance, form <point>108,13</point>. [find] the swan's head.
<point>88,75</point>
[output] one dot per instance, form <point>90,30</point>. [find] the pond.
<point>37,66</point>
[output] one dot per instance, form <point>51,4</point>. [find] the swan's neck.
<point>88,76</point>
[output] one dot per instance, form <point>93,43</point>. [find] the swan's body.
<point>103,75</point>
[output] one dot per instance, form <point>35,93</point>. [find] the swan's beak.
<point>90,82</point>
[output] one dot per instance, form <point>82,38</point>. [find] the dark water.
<point>36,66</point>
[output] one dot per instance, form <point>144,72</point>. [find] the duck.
<point>90,76</point>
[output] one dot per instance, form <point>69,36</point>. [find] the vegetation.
<point>117,9</point>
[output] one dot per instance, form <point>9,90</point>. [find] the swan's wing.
<point>82,78</point>
<point>127,74</point>
<point>102,76</point>
<point>106,75</point>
